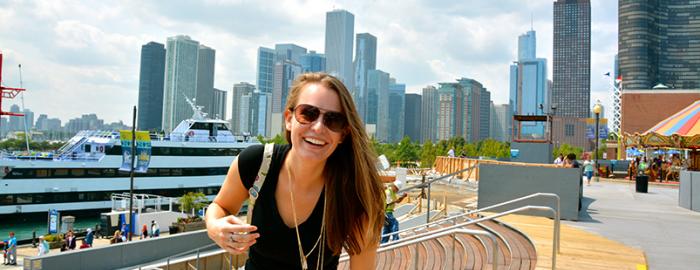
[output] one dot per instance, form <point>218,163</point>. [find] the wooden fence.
<point>447,165</point>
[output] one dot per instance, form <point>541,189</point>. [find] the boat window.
<point>94,172</point>
<point>60,172</point>
<point>88,147</point>
<point>221,127</point>
<point>42,173</point>
<point>23,198</point>
<point>78,172</point>
<point>6,199</point>
<point>176,172</point>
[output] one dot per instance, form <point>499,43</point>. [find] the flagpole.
<point>131,175</point>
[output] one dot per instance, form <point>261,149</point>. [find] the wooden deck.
<point>579,249</point>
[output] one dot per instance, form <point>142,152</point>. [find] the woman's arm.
<point>365,259</point>
<point>223,227</point>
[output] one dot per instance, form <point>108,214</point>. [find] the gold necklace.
<point>303,256</point>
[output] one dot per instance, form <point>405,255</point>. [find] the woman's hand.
<point>232,234</point>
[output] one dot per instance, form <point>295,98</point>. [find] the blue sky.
<point>83,56</point>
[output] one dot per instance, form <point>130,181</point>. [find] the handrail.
<point>421,185</point>
<point>167,260</point>
<point>539,194</point>
<point>434,235</point>
<point>555,240</point>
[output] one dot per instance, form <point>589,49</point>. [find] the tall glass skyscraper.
<point>658,43</point>
<point>429,116</point>
<point>180,80</point>
<point>313,62</point>
<point>572,58</point>
<point>527,45</point>
<point>377,84</point>
<point>150,113</point>
<point>528,86</point>
<point>219,105</point>
<point>266,69</point>
<point>205,79</point>
<point>365,59</point>
<point>290,52</point>
<point>397,111</point>
<point>239,90</point>
<point>340,31</point>
<point>412,120</point>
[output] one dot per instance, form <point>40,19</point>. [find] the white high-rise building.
<point>340,31</point>
<point>180,80</point>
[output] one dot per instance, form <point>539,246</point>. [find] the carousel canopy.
<point>681,130</point>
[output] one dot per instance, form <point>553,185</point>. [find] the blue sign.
<point>514,153</point>
<point>143,151</point>
<point>602,132</point>
<point>53,221</point>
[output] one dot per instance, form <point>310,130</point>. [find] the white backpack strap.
<point>254,191</point>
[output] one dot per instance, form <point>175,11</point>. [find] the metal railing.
<point>555,240</point>
<point>455,217</point>
<point>454,231</point>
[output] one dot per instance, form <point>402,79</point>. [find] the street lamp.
<point>597,109</point>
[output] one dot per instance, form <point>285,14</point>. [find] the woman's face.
<point>314,141</point>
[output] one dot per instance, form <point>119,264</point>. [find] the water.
<point>23,227</point>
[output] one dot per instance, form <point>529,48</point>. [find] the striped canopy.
<point>681,130</point>
<point>683,123</point>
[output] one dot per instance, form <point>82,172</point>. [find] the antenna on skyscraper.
<point>531,22</point>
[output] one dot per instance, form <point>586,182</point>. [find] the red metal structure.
<point>8,93</point>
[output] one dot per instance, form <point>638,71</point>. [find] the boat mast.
<point>8,93</point>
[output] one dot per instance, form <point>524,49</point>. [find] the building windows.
<point>569,130</point>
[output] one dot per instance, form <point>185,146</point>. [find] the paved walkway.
<point>669,234</point>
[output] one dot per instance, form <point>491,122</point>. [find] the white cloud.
<point>83,56</point>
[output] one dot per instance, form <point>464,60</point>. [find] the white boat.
<point>83,173</point>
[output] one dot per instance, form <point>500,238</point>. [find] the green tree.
<point>406,150</point>
<point>565,149</point>
<point>192,200</point>
<point>427,154</point>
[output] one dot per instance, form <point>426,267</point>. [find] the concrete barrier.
<point>689,190</point>
<point>502,182</point>
<point>120,255</point>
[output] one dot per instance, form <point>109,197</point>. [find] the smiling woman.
<point>322,192</point>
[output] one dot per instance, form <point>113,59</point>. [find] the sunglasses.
<point>305,114</point>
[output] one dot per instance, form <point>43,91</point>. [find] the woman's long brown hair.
<point>355,209</point>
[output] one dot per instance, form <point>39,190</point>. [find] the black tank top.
<point>276,248</point>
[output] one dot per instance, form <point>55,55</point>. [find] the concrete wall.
<point>499,183</point>
<point>121,255</point>
<point>689,190</point>
<point>533,152</point>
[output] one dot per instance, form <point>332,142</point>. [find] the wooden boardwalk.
<point>579,249</point>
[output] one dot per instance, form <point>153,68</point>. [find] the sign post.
<point>134,143</point>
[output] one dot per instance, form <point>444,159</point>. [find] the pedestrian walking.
<point>43,246</point>
<point>12,249</point>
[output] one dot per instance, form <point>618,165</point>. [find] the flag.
<point>619,79</point>
<point>607,74</point>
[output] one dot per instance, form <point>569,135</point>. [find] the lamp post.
<point>597,109</point>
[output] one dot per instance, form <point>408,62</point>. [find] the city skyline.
<point>97,61</point>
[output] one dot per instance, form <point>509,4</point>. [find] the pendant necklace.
<point>303,256</point>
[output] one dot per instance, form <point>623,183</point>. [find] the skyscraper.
<point>239,90</point>
<point>180,80</point>
<point>365,59</point>
<point>290,52</point>
<point>219,105</point>
<point>572,58</point>
<point>260,113</point>
<point>450,120</point>
<point>429,116</point>
<point>397,111</point>
<point>266,69</point>
<point>313,62</point>
<point>15,122</point>
<point>340,29</point>
<point>377,84</point>
<point>501,117</point>
<point>527,45</point>
<point>528,86</point>
<point>412,119</point>
<point>657,44</point>
<point>151,77</point>
<point>28,119</point>
<point>205,79</point>
<point>475,110</point>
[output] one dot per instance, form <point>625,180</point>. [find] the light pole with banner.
<point>597,109</point>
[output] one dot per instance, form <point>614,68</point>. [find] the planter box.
<point>188,227</point>
<point>53,245</point>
